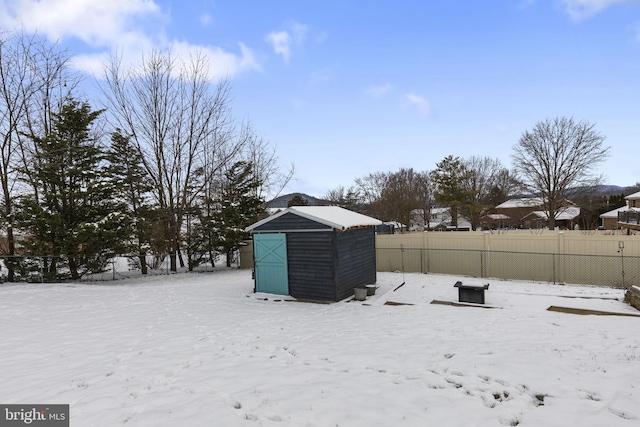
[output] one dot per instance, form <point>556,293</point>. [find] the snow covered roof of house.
<point>568,213</point>
<point>633,196</point>
<point>332,216</point>
<point>498,216</point>
<point>525,202</point>
<point>437,211</point>
<point>614,213</point>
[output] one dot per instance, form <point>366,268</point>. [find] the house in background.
<point>610,219</point>
<point>529,212</point>
<point>565,218</point>
<point>515,210</point>
<point>626,217</point>
<point>439,219</point>
<point>495,221</point>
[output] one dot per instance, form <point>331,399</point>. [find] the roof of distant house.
<point>498,216</point>
<point>633,196</point>
<point>614,213</point>
<point>525,202</point>
<point>568,213</point>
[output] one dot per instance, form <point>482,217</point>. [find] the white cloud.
<point>419,103</point>
<point>377,91</point>
<point>579,10</point>
<point>97,23</point>
<point>129,26</point>
<point>221,62</point>
<point>281,42</point>
<point>284,41</point>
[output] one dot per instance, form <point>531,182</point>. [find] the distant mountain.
<point>282,201</point>
<point>603,190</point>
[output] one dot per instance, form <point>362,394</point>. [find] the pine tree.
<point>127,171</point>
<point>449,178</point>
<point>238,207</point>
<point>72,213</point>
<point>297,200</point>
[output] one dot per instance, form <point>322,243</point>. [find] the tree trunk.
<point>172,258</point>
<point>143,262</point>
<point>73,269</point>
<point>180,258</point>
<point>12,251</point>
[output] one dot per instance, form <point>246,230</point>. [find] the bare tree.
<point>348,198</point>
<point>370,187</point>
<point>405,191</point>
<point>32,73</point>
<point>505,185</point>
<point>557,155</point>
<point>182,124</point>
<point>484,178</point>
<point>266,168</point>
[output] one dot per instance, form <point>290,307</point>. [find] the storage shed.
<point>314,252</point>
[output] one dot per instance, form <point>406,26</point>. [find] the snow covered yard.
<point>203,350</point>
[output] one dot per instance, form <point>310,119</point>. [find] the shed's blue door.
<point>270,253</point>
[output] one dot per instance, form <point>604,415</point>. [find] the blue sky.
<point>344,88</point>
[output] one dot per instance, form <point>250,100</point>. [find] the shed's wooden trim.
<point>317,230</point>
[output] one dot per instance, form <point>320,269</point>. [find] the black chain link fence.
<point>35,268</point>
<point>612,271</point>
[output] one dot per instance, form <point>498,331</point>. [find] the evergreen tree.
<point>126,169</point>
<point>297,200</point>
<point>449,178</point>
<point>198,239</point>
<point>238,207</point>
<point>72,213</point>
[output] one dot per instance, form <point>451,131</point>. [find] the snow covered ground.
<point>204,350</point>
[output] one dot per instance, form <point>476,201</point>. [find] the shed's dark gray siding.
<point>324,265</point>
<point>356,252</point>
<point>290,221</point>
<point>311,272</point>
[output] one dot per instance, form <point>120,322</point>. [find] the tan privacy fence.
<point>549,256</point>
<point>545,256</point>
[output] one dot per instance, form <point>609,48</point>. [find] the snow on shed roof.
<point>332,216</point>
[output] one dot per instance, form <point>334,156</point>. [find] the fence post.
<point>621,250</point>
<point>425,247</point>
<point>487,252</point>
<point>561,258</point>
